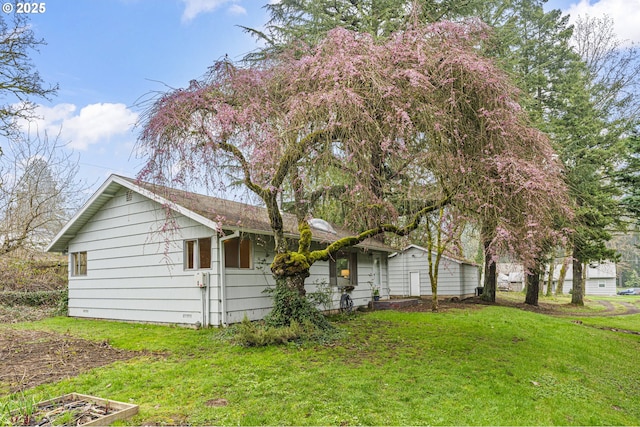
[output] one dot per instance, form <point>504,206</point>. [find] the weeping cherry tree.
<point>403,126</point>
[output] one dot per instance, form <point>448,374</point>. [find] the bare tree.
<point>39,189</point>
<point>19,81</point>
<point>614,70</point>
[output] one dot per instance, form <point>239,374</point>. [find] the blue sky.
<point>107,54</point>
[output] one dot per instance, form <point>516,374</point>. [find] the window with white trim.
<point>197,254</point>
<point>237,253</point>
<point>343,269</point>
<point>79,263</point>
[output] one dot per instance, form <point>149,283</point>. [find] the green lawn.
<point>488,366</point>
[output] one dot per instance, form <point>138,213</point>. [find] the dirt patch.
<point>631,308</point>
<point>219,402</point>
<point>25,313</point>
<point>31,358</point>
<point>425,305</point>
<point>476,303</point>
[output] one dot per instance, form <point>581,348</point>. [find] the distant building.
<point>600,278</point>
<point>409,274</point>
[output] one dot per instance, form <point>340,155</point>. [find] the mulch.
<point>476,303</point>
<point>30,358</point>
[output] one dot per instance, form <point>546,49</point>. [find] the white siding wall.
<point>398,276</point>
<point>603,286</point>
<point>471,279</point>
<point>244,287</point>
<point>131,274</point>
<point>602,274</point>
<point>136,273</point>
<point>454,278</point>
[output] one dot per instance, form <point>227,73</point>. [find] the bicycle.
<point>346,303</point>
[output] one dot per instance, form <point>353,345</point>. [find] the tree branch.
<point>345,242</point>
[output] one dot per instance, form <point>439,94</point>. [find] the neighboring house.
<point>600,278</point>
<point>510,276</point>
<point>140,252</point>
<point>409,274</point>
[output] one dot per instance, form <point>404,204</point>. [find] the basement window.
<point>237,253</point>
<point>197,254</point>
<point>79,263</point>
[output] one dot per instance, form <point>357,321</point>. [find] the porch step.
<point>392,304</point>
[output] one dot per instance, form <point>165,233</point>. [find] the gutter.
<point>222,280</point>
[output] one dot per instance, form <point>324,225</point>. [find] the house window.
<point>78,263</point>
<point>237,253</point>
<point>601,285</point>
<point>343,269</point>
<point>197,253</point>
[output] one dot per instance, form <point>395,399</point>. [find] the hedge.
<point>34,299</point>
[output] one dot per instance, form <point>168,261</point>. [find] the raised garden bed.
<point>74,410</point>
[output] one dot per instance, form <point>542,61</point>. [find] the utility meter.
<point>200,279</point>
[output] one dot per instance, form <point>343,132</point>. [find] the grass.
<point>627,323</point>
<point>489,366</point>
<point>562,303</point>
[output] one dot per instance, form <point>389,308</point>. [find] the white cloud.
<point>195,7</point>
<point>625,15</point>
<point>236,9</point>
<point>93,124</point>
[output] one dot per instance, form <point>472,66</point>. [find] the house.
<point>409,274</point>
<point>510,276</point>
<point>140,252</point>
<point>600,278</point>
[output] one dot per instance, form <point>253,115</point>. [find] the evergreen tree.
<point>533,46</point>
<point>309,21</point>
<point>629,177</point>
<point>571,100</point>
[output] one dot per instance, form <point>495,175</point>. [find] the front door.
<point>414,283</point>
<point>377,272</point>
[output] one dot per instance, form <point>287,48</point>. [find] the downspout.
<point>206,318</point>
<point>203,297</point>
<point>222,281</point>
<point>406,285</point>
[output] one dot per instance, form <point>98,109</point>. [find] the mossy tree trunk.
<point>490,276</point>
<point>291,268</point>
<point>577,294</point>
<point>533,286</point>
<point>563,271</point>
<point>433,277</point>
<point>552,267</point>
